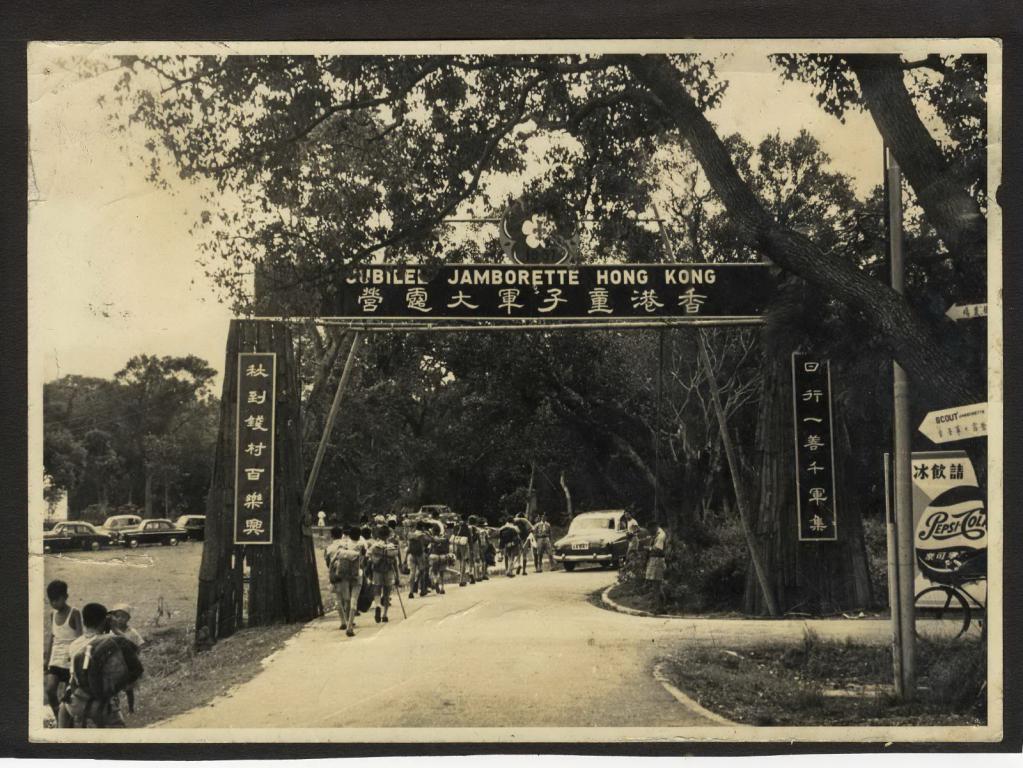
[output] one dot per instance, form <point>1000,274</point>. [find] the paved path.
<point>505,653</point>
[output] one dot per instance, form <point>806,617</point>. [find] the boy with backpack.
<point>383,560</point>
<point>417,560</point>
<point>344,556</point>
<point>102,665</point>
<point>440,550</point>
<point>508,537</point>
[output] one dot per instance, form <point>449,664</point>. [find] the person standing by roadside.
<point>65,627</point>
<point>542,534</point>
<point>508,538</point>
<point>655,567</point>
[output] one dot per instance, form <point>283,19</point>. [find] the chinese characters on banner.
<point>254,458</point>
<point>555,292</point>
<point>816,504</point>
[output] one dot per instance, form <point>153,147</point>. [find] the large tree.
<point>352,156</point>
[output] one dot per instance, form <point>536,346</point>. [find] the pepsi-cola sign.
<point>950,523</point>
<point>951,535</point>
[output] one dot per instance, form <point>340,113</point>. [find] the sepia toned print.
<point>515,392</point>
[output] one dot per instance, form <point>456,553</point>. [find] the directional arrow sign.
<point>958,423</point>
<point>966,311</point>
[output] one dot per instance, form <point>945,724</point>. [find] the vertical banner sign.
<point>816,504</point>
<point>950,524</point>
<point>254,452</point>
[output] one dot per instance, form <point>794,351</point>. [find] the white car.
<point>595,537</point>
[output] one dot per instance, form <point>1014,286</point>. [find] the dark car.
<point>596,537</point>
<point>74,535</point>
<point>194,524</point>
<point>157,531</point>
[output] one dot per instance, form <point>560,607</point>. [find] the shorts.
<point>63,674</point>
<point>655,569</point>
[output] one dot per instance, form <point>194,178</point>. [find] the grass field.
<point>826,682</point>
<point>159,583</point>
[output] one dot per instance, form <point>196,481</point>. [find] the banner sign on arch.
<point>555,292</point>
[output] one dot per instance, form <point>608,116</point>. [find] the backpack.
<point>415,544</point>
<point>377,552</point>
<point>344,566</point>
<point>101,671</point>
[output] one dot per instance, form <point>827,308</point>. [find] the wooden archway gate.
<point>281,579</point>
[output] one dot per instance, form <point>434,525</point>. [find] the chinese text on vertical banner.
<point>815,457</point>
<point>254,457</point>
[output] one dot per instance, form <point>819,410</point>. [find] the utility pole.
<point>904,612</point>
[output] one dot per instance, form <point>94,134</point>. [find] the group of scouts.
<point>365,562</point>
<point>91,657</point>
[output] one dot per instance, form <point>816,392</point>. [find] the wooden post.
<point>283,584</point>
<point>734,470</point>
<point>329,426</point>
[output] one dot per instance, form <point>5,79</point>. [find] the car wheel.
<point>173,541</point>
<point>569,567</point>
<point>94,546</point>
<point>133,543</point>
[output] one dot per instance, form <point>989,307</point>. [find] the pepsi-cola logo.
<point>958,513</point>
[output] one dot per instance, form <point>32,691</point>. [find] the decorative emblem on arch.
<point>529,237</point>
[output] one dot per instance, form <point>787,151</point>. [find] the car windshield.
<point>592,523</point>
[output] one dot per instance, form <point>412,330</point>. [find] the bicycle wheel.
<point>941,613</point>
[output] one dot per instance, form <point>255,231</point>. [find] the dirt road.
<point>520,652</point>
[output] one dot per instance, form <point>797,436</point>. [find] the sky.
<point>113,268</point>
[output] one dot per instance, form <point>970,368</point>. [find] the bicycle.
<point>949,602</point>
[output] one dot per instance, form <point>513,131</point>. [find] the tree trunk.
<point>816,578</point>
<point>928,361</point>
<point>283,584</point>
<point>568,497</point>
<point>149,493</point>
<point>950,209</point>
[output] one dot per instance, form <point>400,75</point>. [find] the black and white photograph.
<point>515,391</point>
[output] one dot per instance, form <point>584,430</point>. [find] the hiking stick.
<point>397,591</point>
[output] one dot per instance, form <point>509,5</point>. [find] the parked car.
<point>194,524</point>
<point>595,537</point>
<point>158,531</point>
<point>114,525</point>
<point>74,535</point>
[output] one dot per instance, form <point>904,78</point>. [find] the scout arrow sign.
<point>958,423</point>
<point>966,311</point>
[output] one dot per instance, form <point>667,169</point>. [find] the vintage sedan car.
<point>194,524</point>
<point>156,531</point>
<point>114,525</point>
<point>74,535</point>
<point>598,537</point>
